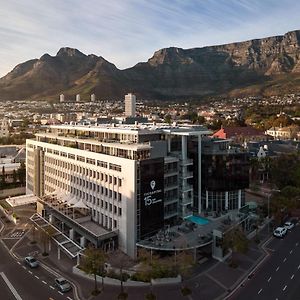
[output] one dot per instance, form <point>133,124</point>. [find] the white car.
<point>31,262</point>
<point>63,285</point>
<point>280,232</point>
<point>289,225</point>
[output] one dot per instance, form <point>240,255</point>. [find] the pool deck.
<point>188,235</point>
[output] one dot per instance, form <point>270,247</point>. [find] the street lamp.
<point>269,195</point>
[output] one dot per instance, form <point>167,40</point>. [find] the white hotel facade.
<point>133,179</point>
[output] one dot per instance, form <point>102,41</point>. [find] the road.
<point>18,281</point>
<point>279,276</point>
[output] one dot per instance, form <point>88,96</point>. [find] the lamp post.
<point>269,195</point>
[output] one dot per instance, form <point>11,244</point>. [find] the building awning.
<point>63,241</point>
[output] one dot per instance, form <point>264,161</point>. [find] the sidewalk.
<point>215,281</point>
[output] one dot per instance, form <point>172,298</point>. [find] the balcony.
<point>186,187</point>
<point>186,162</point>
<point>186,213</point>
<point>170,214</point>
<point>185,200</point>
<point>186,174</point>
<point>170,186</point>
<point>170,200</point>
<point>169,173</point>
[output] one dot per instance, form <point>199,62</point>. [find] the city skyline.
<point>128,32</point>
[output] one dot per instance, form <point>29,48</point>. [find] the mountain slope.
<point>262,66</point>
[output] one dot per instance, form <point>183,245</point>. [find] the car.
<point>31,262</point>
<point>62,284</point>
<point>280,232</point>
<point>289,225</point>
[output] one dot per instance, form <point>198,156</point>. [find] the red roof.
<point>230,132</point>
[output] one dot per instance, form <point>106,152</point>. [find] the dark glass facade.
<point>151,196</point>
<point>224,175</point>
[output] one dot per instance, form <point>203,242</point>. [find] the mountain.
<point>256,67</point>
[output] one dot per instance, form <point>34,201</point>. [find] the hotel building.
<point>132,179</point>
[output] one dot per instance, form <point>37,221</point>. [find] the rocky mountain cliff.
<point>262,66</point>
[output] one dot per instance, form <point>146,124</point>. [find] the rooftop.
<point>144,128</point>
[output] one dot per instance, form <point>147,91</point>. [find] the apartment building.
<point>133,179</point>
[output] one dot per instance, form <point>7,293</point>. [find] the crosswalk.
<point>17,234</point>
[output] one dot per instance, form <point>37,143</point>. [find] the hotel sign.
<point>152,193</point>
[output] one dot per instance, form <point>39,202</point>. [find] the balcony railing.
<point>186,174</point>
<point>186,162</point>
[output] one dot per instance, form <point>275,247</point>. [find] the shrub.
<point>185,291</point>
<point>233,264</point>
<point>150,296</point>
<point>112,274</point>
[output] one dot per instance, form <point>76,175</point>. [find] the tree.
<point>43,239</point>
<point>285,171</point>
<point>21,172</point>
<point>93,264</point>
<point>3,182</point>
<point>236,240</point>
<point>184,263</point>
<point>168,119</point>
<point>120,260</point>
<point>15,178</point>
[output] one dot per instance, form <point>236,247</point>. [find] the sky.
<point>126,32</point>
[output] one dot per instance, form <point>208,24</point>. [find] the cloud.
<point>128,31</point>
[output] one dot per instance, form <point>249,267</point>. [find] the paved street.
<point>29,284</point>
<point>279,276</point>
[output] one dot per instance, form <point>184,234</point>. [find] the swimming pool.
<point>198,220</point>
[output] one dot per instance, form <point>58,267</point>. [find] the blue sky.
<point>129,31</point>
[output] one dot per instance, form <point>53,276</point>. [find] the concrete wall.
<point>12,192</point>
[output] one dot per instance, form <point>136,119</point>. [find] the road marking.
<point>29,272</point>
<point>269,279</point>
<point>18,263</point>
<point>292,276</point>
<point>284,288</point>
<point>259,291</point>
<point>284,259</point>
<point>291,251</point>
<point>24,267</point>
<point>44,282</point>
<point>297,244</point>
<point>51,287</point>
<point>10,286</point>
<point>298,267</point>
<point>69,298</point>
<point>37,277</point>
<point>61,293</point>
<point>277,269</point>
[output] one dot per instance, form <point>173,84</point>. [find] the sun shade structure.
<point>80,204</point>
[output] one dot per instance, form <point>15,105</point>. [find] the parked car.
<point>289,225</point>
<point>280,232</point>
<point>31,262</point>
<point>63,285</point>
